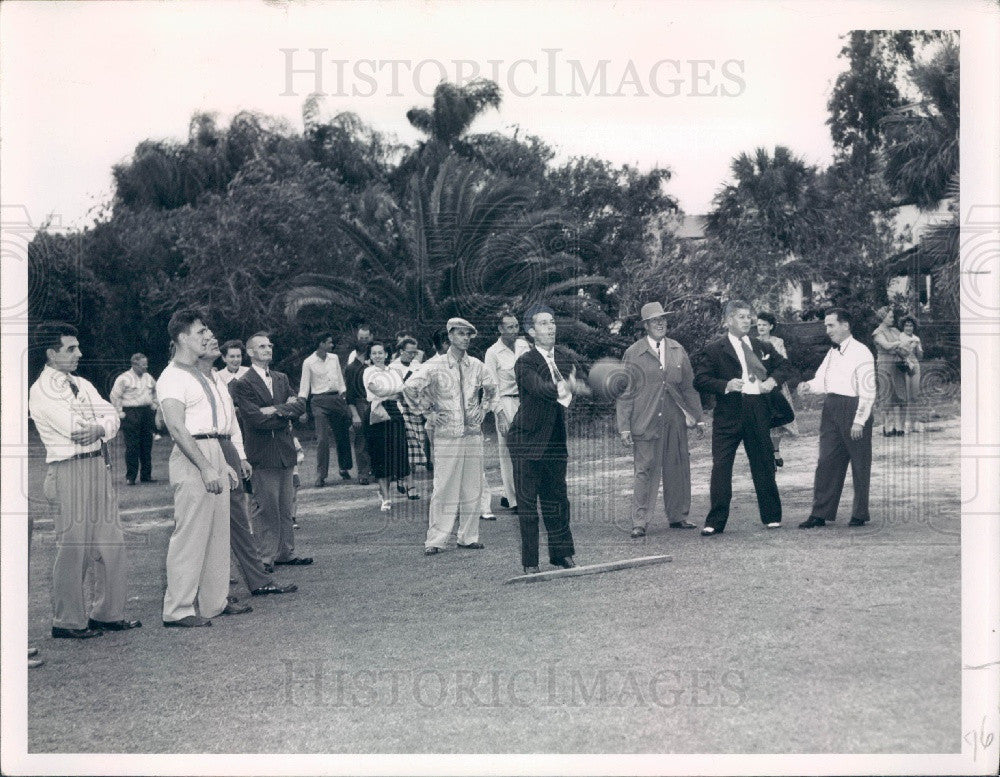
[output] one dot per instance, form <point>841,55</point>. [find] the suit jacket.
<point>539,418</point>
<point>639,408</point>
<point>267,438</point>
<point>718,363</point>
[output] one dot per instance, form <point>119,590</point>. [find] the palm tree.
<point>465,244</point>
<point>765,223</point>
<point>455,108</point>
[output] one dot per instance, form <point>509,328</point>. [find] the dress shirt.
<point>848,370</point>
<point>265,375</point>
<point>321,375</point>
<point>226,411</point>
<point>434,386</point>
<point>382,383</point>
<point>749,387</point>
<point>564,396</point>
<point>660,349</point>
<point>131,390</point>
<point>500,360</point>
<point>180,384</point>
<point>57,413</point>
<point>227,376</point>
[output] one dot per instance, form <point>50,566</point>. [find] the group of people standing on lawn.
<point>391,410</point>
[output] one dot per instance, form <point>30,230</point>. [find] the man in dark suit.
<point>742,372</point>
<point>536,439</point>
<point>266,405</point>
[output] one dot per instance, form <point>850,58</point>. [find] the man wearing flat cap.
<point>453,391</point>
<point>654,415</point>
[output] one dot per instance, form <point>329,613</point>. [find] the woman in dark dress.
<point>385,430</point>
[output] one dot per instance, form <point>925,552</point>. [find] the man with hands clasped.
<point>193,411</point>
<point>741,372</point>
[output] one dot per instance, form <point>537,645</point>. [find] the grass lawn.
<point>832,640</point>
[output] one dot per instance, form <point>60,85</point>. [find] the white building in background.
<point>910,225</point>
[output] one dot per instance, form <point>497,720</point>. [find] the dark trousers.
<point>273,490</point>
<point>542,484</point>
<point>836,449</point>
<point>360,441</point>
<point>137,428</point>
<point>241,538</point>
<point>752,428</point>
<point>331,416</point>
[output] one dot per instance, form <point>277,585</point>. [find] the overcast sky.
<point>687,86</point>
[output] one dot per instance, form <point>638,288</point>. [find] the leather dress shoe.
<point>565,563</point>
<point>364,481</point>
<point>532,571</point>
<point>34,663</point>
<point>121,625</point>
<point>779,462</point>
<point>130,481</point>
<point>682,525</point>
<point>345,475</point>
<point>504,502</point>
<point>271,588</point>
<point>60,633</point>
<point>295,562</point>
<point>708,531</point>
<point>431,551</point>
<point>857,521</point>
<point>269,568</point>
<point>637,532</point>
<point>32,652</point>
<point>812,522</point>
<point>472,546</point>
<point>236,609</point>
<point>320,482</point>
<point>487,517</point>
<point>149,480</point>
<point>188,622</point>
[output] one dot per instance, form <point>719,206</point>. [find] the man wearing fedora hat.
<point>453,391</point>
<point>654,415</point>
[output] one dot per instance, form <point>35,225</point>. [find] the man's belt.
<point>136,407</point>
<point>508,396</point>
<point>325,394</point>
<point>210,436</point>
<point>88,455</point>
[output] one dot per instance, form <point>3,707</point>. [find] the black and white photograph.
<point>431,387</point>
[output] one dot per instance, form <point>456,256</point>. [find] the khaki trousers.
<point>458,484</point>
<point>509,405</point>
<point>198,553</point>
<point>88,534</point>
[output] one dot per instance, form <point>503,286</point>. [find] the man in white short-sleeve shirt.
<point>193,411</point>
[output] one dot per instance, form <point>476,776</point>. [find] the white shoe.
<point>386,505</point>
<point>775,525</point>
<point>708,531</point>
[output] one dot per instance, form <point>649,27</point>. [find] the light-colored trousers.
<point>274,490</point>
<point>666,459</point>
<point>198,553</point>
<point>88,533</point>
<point>509,405</point>
<point>458,487</point>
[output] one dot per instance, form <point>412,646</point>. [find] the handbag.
<point>378,414</point>
<point>781,409</point>
<point>906,368</point>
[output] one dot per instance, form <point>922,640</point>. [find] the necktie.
<point>659,352</point>
<point>754,366</point>
<point>461,394</point>
<point>73,387</point>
